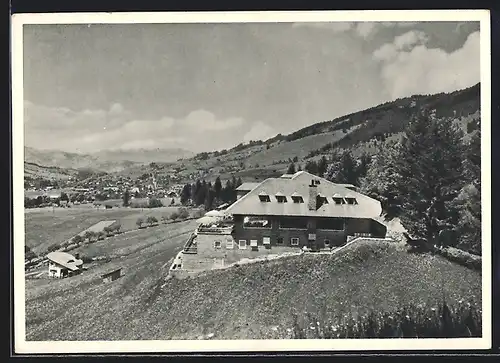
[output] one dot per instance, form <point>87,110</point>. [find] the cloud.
<point>363,29</point>
<point>259,131</point>
<point>408,66</point>
<point>401,43</point>
<point>202,120</point>
<point>93,130</point>
<point>336,27</point>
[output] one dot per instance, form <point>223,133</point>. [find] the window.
<point>294,241</point>
<point>293,223</point>
<point>281,198</point>
<point>333,224</point>
<point>297,199</point>
<point>218,244</point>
<point>253,243</point>
<point>339,200</point>
<point>264,198</point>
<point>229,244</point>
<point>266,240</point>
<point>351,200</point>
<point>279,240</point>
<point>242,244</point>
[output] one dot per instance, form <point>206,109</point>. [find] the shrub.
<point>53,247</point>
<point>440,321</point>
<point>174,216</point>
<point>183,213</point>
<point>155,203</point>
<point>77,239</point>
<point>85,258</point>
<point>139,222</point>
<point>151,220</point>
<point>461,257</point>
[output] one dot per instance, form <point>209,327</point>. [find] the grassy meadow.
<point>44,227</point>
<point>250,301</point>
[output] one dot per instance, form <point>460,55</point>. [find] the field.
<point>250,301</point>
<point>44,227</point>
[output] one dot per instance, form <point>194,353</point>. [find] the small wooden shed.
<point>112,275</point>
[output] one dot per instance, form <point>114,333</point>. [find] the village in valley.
<point>366,225</point>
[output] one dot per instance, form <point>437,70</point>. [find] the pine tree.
<point>126,198</point>
<point>312,167</point>
<point>380,180</point>
<point>322,166</point>
<point>469,200</point>
<point>186,194</point>
<point>429,176</point>
<point>342,168</point>
<point>291,169</point>
<point>209,199</point>
<point>218,188</point>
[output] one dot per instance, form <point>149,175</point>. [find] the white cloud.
<point>259,131</point>
<point>401,43</point>
<point>409,67</point>
<point>94,130</point>
<point>336,27</point>
<point>363,29</point>
<point>202,120</point>
<point>409,39</point>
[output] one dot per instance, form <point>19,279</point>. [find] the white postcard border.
<point>178,346</point>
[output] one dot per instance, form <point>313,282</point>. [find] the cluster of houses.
<point>101,188</point>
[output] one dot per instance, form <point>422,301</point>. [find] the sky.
<point>204,87</point>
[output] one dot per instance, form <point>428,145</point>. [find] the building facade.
<point>303,210</point>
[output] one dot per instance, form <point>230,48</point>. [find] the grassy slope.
<point>46,227</point>
<point>54,308</point>
<point>242,302</point>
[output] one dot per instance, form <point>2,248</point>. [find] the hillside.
<point>46,172</point>
<point>358,132</point>
<point>249,301</point>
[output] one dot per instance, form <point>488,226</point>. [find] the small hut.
<point>112,275</point>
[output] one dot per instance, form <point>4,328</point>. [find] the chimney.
<point>313,194</point>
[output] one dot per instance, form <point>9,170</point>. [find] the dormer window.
<point>351,200</point>
<point>264,197</point>
<point>297,198</point>
<point>280,198</point>
<point>338,199</point>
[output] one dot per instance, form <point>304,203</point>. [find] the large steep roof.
<point>298,184</point>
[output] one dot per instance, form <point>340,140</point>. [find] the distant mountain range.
<point>106,160</point>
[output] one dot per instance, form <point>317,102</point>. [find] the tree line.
<point>208,194</point>
<point>340,167</point>
<point>431,180</point>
